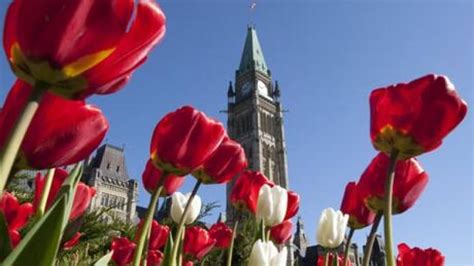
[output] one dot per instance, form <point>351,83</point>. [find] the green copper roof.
<point>252,56</point>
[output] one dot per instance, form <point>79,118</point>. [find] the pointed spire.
<point>252,56</point>
<point>222,218</point>
<point>276,92</point>
<point>230,91</point>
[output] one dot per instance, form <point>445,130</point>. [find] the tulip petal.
<point>9,32</point>
<point>147,30</point>
<point>62,32</point>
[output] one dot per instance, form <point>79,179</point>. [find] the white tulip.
<point>331,228</point>
<point>266,254</point>
<point>178,203</point>
<point>271,205</point>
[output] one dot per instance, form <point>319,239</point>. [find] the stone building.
<point>255,117</point>
<point>107,172</point>
<point>306,255</point>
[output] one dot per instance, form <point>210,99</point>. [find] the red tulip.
<point>68,245</point>
<point>414,118</point>
<point>409,182</point>
<point>415,256</point>
<point>227,161</point>
<point>16,215</point>
<point>80,48</point>
<point>245,191</point>
<point>244,194</point>
<point>82,198</point>
<point>281,233</point>
<point>197,242</point>
<point>222,234</point>
<point>152,175</point>
<point>188,263</point>
<point>340,260</point>
<point>154,258</point>
<point>293,204</point>
<point>184,139</point>
<point>353,205</point>
<point>62,132</point>
<point>15,237</point>
<point>158,237</point>
<point>123,250</point>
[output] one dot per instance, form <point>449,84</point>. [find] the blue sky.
<point>327,57</point>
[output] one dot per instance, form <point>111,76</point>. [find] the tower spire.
<point>252,56</point>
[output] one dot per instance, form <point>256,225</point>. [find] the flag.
<point>253,5</point>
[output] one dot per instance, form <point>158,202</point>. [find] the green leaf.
<point>40,245</point>
<point>167,252</point>
<point>5,245</point>
<point>104,261</point>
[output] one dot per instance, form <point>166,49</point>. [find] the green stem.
<point>45,193</point>
<point>145,249</point>
<point>231,247</point>
<point>335,258</point>
<point>15,138</point>
<point>174,252</point>
<point>150,212</point>
<point>371,240</point>
<point>326,259</point>
<point>348,245</point>
<point>181,246</point>
<point>267,233</point>
<point>387,211</point>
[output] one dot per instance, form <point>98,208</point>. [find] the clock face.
<point>262,88</point>
<point>246,88</point>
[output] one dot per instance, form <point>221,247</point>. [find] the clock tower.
<point>255,115</point>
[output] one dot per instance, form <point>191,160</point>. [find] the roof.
<point>252,56</point>
<point>111,161</point>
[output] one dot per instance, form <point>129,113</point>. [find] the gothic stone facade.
<point>107,172</point>
<point>255,117</point>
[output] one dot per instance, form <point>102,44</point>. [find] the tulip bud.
<point>409,182</point>
<point>353,205</point>
<point>293,205</point>
<point>154,258</point>
<point>178,203</point>
<point>16,215</point>
<point>222,234</point>
<point>272,204</point>
<point>122,249</point>
<point>332,260</point>
<point>68,245</point>
<point>244,194</point>
<point>281,233</point>
<point>158,236</point>
<point>62,132</point>
<point>152,176</point>
<point>227,161</point>
<point>331,228</point>
<point>82,198</point>
<point>416,256</point>
<point>79,49</point>
<point>197,242</point>
<point>184,139</point>
<point>413,118</point>
<point>266,254</point>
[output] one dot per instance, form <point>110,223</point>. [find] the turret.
<point>231,93</point>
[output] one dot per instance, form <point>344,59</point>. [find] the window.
<point>118,169</point>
